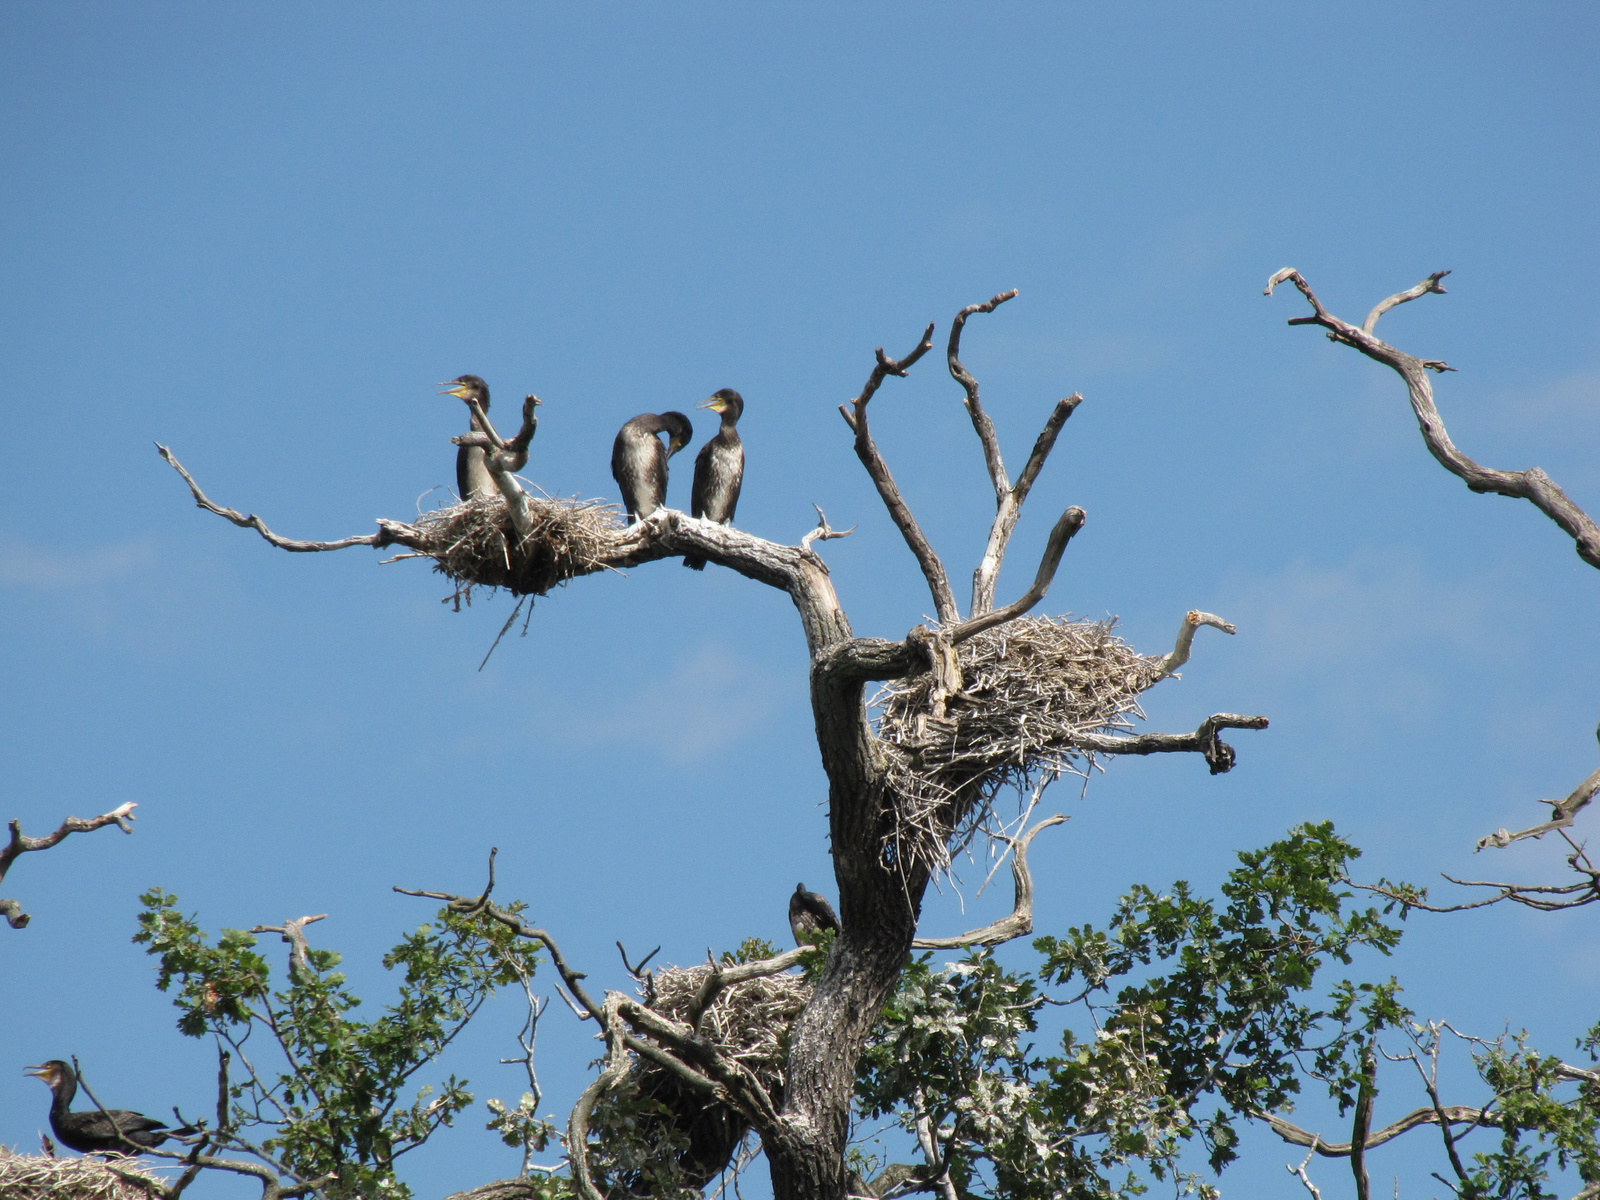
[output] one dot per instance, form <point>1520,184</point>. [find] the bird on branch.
<point>809,916</point>
<point>114,1130</point>
<point>639,462</point>
<point>718,468</point>
<point>472,462</point>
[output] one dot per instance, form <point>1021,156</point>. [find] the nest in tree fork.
<point>748,1020</point>
<point>1029,689</point>
<point>34,1177</point>
<point>653,1115</point>
<point>474,543</point>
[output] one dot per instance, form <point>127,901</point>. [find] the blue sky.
<point>260,235</point>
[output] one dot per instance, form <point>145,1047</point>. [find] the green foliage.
<point>1532,1128</point>
<point>1211,1007</point>
<point>335,1102</point>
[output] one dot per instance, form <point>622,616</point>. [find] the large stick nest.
<point>659,1138</point>
<point>34,1177</point>
<point>749,1020</point>
<point>1030,689</point>
<point>474,543</point>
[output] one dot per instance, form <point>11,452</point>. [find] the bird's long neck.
<point>63,1092</point>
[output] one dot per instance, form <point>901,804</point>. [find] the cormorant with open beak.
<point>718,468</point>
<point>472,462</point>
<point>115,1130</point>
<point>639,462</point>
<point>809,915</point>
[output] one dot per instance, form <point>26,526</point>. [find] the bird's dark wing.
<point>109,1130</point>
<point>700,494</point>
<point>817,908</point>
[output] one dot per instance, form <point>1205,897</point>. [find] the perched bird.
<point>809,915</point>
<point>639,464</point>
<point>472,462</point>
<point>115,1129</point>
<point>718,468</point>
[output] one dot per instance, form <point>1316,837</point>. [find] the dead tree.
<point>903,793</point>
<point>1532,485</point>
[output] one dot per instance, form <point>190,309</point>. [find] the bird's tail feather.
<point>694,564</point>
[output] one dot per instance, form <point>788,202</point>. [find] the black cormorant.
<point>116,1129</point>
<point>472,463</point>
<point>718,468</point>
<point>809,915</point>
<point>639,464</point>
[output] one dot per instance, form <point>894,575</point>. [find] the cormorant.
<point>639,464</point>
<point>809,915</point>
<point>116,1129</point>
<point>718,468</point>
<point>472,462</point>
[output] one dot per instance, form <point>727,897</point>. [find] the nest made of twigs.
<point>34,1177</point>
<point>475,544</point>
<point>749,1020</point>
<point>657,1137</point>
<point>1030,689</point>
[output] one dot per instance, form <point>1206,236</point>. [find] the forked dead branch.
<point>1532,485</point>
<point>975,702</point>
<point>20,844</point>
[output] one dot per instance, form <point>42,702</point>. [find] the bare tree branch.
<point>1218,754</point>
<point>1543,897</point>
<point>1562,812</point>
<point>980,419</point>
<point>121,817</point>
<point>389,532</point>
<point>1532,484</point>
<point>1455,1114</point>
<point>1192,620</point>
<point>1008,497</point>
<point>1065,527</point>
<point>823,532</point>
<point>855,416</point>
<point>1020,922</point>
<point>294,933</point>
<point>1300,1171</point>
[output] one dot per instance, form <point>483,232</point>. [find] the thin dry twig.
<point>121,817</point>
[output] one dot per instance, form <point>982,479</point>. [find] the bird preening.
<point>105,1131</point>
<point>639,461</point>
<point>809,916</point>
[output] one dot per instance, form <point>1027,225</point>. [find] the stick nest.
<point>658,1138</point>
<point>34,1177</point>
<point>475,545</point>
<point>749,1020</point>
<point>1030,689</point>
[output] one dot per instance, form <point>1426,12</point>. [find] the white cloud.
<point>23,566</point>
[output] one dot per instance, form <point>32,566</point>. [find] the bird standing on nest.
<point>472,462</point>
<point>639,462</point>
<point>718,468</point>
<point>115,1130</point>
<point>809,915</point>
